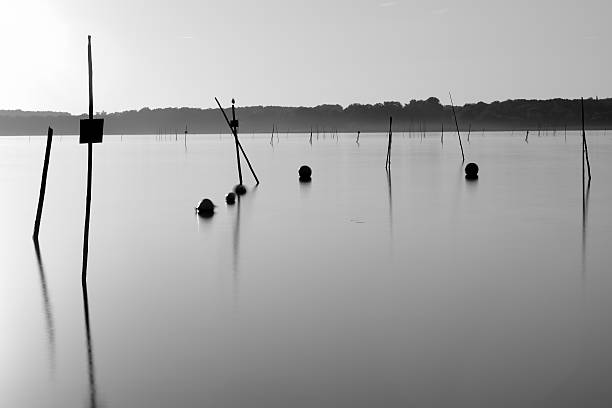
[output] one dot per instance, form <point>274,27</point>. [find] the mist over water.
<point>357,289</point>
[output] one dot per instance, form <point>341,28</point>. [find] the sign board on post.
<point>91,130</point>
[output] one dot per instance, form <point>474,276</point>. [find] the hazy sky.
<point>273,52</point>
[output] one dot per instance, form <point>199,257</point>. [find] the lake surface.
<point>356,290</point>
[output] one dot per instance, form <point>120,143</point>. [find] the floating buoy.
<point>240,189</point>
<point>206,208</point>
<point>305,173</point>
<point>230,198</point>
<point>471,171</point>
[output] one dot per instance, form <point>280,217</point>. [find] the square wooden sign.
<point>91,130</point>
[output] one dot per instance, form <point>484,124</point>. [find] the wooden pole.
<point>43,185</point>
<point>236,138</point>
<point>89,168</point>
<point>469,131</point>
<point>90,69</point>
<point>388,163</point>
<point>235,132</point>
<point>527,137</point>
<point>457,126</point>
<point>442,134</point>
<point>585,149</point>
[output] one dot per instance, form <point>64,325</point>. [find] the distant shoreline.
<point>416,116</point>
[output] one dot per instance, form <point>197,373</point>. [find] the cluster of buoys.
<point>206,208</point>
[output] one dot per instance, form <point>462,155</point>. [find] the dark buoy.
<point>230,198</point>
<point>206,208</point>
<point>471,171</point>
<point>305,173</point>
<point>240,189</point>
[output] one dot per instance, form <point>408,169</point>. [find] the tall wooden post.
<point>43,185</point>
<point>89,168</point>
<point>234,126</point>
<point>234,132</point>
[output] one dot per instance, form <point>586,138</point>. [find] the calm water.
<point>356,290</point>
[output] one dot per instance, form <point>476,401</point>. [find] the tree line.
<point>415,116</point>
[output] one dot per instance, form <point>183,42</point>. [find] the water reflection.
<point>47,304</point>
<point>388,171</point>
<point>90,360</point>
<point>305,187</point>
<point>93,402</point>
<point>585,212</point>
<point>236,245</point>
<point>471,183</point>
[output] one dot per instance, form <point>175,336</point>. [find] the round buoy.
<point>471,171</point>
<point>206,208</point>
<point>240,189</point>
<point>305,173</point>
<point>230,198</point>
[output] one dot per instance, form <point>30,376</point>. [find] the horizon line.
<point>295,106</point>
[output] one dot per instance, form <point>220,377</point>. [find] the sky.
<point>177,53</point>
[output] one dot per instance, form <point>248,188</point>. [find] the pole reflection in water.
<point>90,357</point>
<point>47,304</point>
<point>236,245</point>
<point>585,213</point>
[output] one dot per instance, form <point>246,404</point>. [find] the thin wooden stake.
<point>43,185</point>
<point>388,162</point>
<point>457,126</point>
<point>585,149</point>
<point>234,127</point>
<point>239,145</point>
<point>89,169</point>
